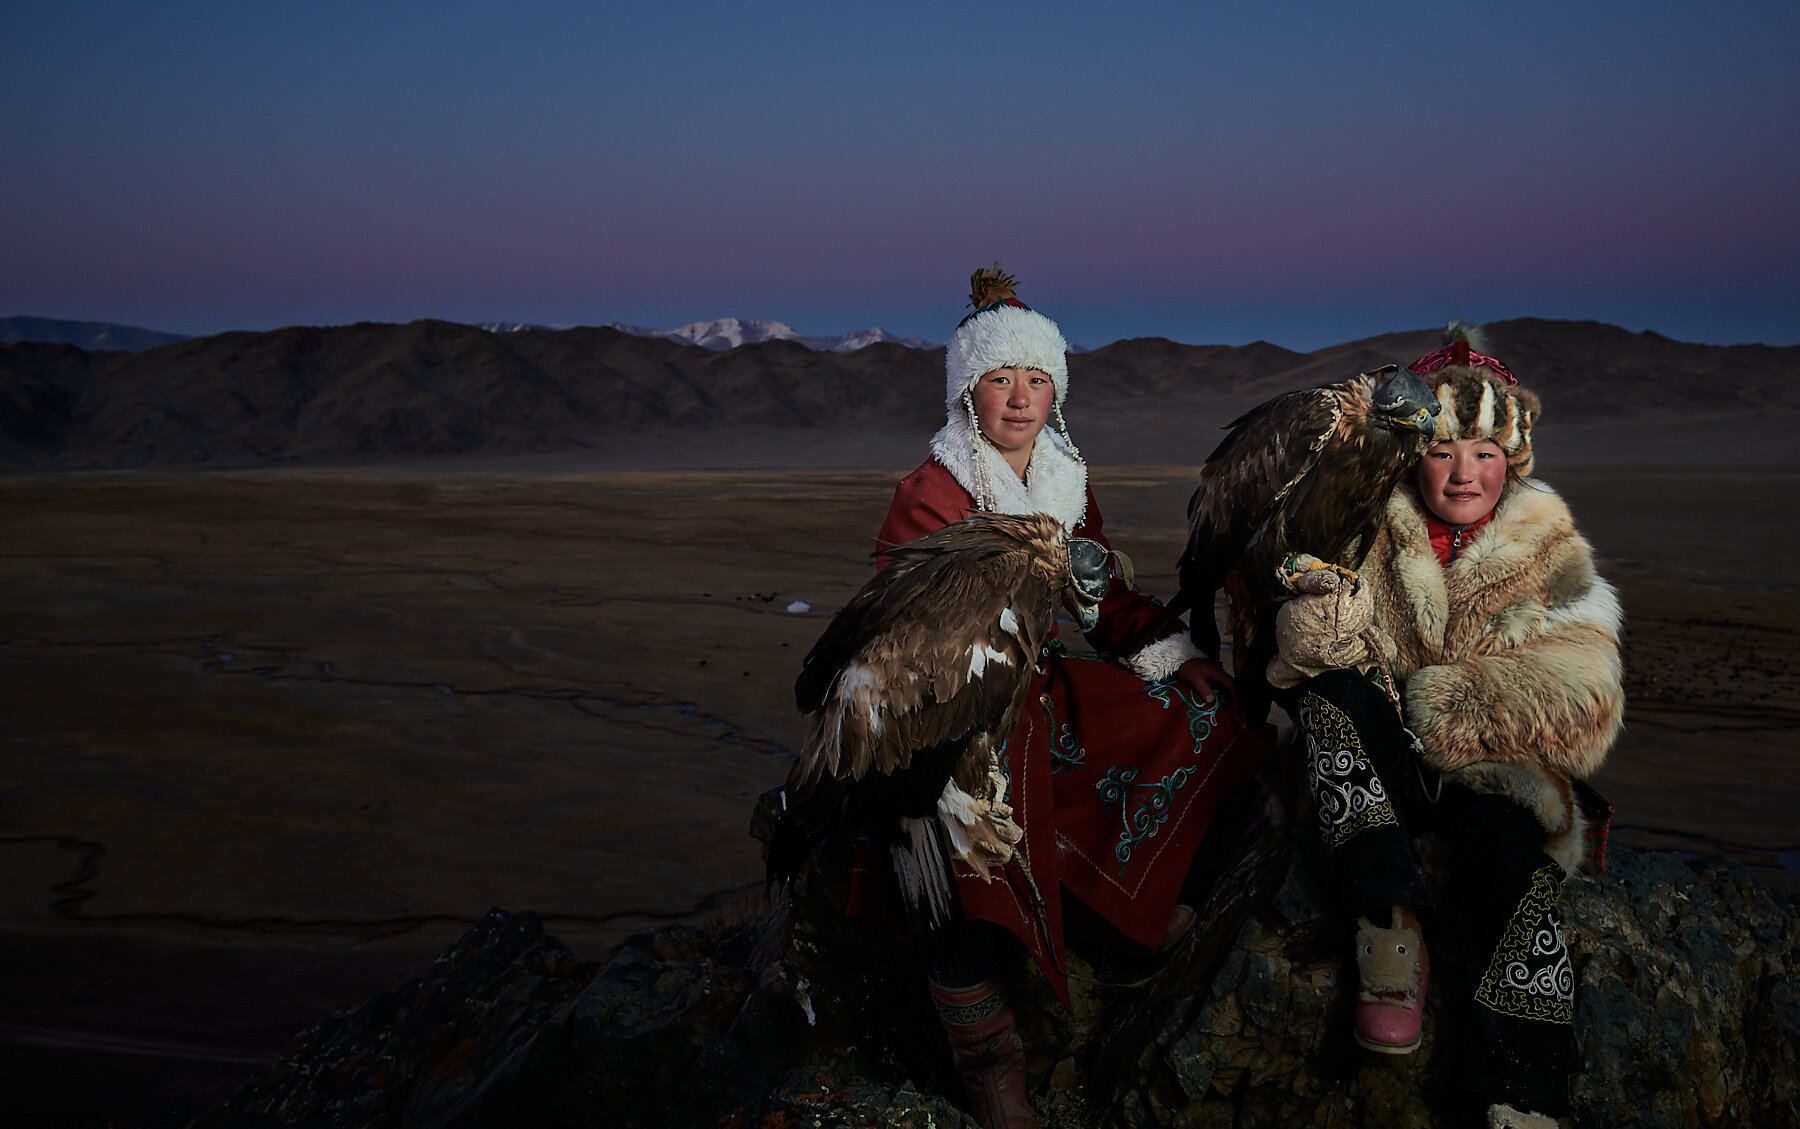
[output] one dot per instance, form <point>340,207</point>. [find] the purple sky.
<point>1304,173</point>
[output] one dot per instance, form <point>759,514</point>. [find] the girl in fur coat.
<point>1505,664</point>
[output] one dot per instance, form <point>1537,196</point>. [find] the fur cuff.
<point>1448,711</point>
<point>1161,659</point>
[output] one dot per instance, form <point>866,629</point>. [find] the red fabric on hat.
<point>1459,353</point>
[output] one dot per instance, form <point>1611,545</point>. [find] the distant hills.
<point>374,392</point>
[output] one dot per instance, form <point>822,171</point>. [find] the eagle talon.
<point>1301,573</point>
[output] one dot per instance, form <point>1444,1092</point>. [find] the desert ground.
<point>274,738</point>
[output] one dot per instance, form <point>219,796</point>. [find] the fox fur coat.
<point>1508,659</point>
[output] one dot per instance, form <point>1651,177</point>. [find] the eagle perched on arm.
<point>914,687</point>
<point>1306,472</point>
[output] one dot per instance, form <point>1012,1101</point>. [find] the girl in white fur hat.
<point>1122,757</point>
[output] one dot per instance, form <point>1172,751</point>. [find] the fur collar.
<point>1055,480</point>
<point>1529,523</point>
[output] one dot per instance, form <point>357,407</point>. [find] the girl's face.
<point>1012,405</point>
<point>1460,480</point>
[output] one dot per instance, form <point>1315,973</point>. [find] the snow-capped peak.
<point>729,333</point>
<point>517,326</point>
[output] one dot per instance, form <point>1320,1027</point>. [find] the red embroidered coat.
<point>1113,779</point>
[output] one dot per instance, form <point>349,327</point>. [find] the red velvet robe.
<point>1113,780</point>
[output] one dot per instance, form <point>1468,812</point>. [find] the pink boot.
<point>1390,1003</point>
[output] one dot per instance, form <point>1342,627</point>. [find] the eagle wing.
<point>937,647</point>
<point>915,684</point>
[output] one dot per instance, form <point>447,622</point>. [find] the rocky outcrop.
<point>426,1053</point>
<point>1687,1016</point>
<point>1688,1013</point>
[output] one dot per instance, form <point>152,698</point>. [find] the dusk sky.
<point>1303,173</point>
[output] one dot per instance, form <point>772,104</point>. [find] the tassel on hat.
<point>991,286</point>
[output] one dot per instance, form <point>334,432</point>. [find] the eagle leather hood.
<point>1509,656</point>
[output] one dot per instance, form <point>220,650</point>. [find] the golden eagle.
<point>1306,472</point>
<point>914,687</point>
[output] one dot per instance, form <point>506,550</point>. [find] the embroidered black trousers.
<point>1497,921</point>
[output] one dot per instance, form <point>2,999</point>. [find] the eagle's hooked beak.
<point>1091,574</point>
<point>1406,401</point>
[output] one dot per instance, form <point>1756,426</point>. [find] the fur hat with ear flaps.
<point>1003,332</point>
<point>1480,396</point>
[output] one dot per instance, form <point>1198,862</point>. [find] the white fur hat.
<point>1003,332</point>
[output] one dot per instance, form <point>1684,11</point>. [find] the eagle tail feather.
<point>923,870</point>
<point>965,828</point>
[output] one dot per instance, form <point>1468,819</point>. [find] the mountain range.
<point>721,334</point>
<point>375,392</point>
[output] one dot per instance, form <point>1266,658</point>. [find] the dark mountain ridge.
<point>91,335</point>
<point>373,392</point>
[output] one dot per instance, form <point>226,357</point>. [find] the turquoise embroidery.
<point>1143,808</point>
<point>1200,715</point>
<point>1066,753</point>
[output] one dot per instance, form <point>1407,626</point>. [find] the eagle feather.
<point>989,286</point>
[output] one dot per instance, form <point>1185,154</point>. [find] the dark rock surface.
<point>1687,1013</point>
<point>1687,1016</point>
<point>427,1052</point>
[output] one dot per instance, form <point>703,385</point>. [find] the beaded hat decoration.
<point>1459,353</point>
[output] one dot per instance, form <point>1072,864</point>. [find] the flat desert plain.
<point>274,738</point>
